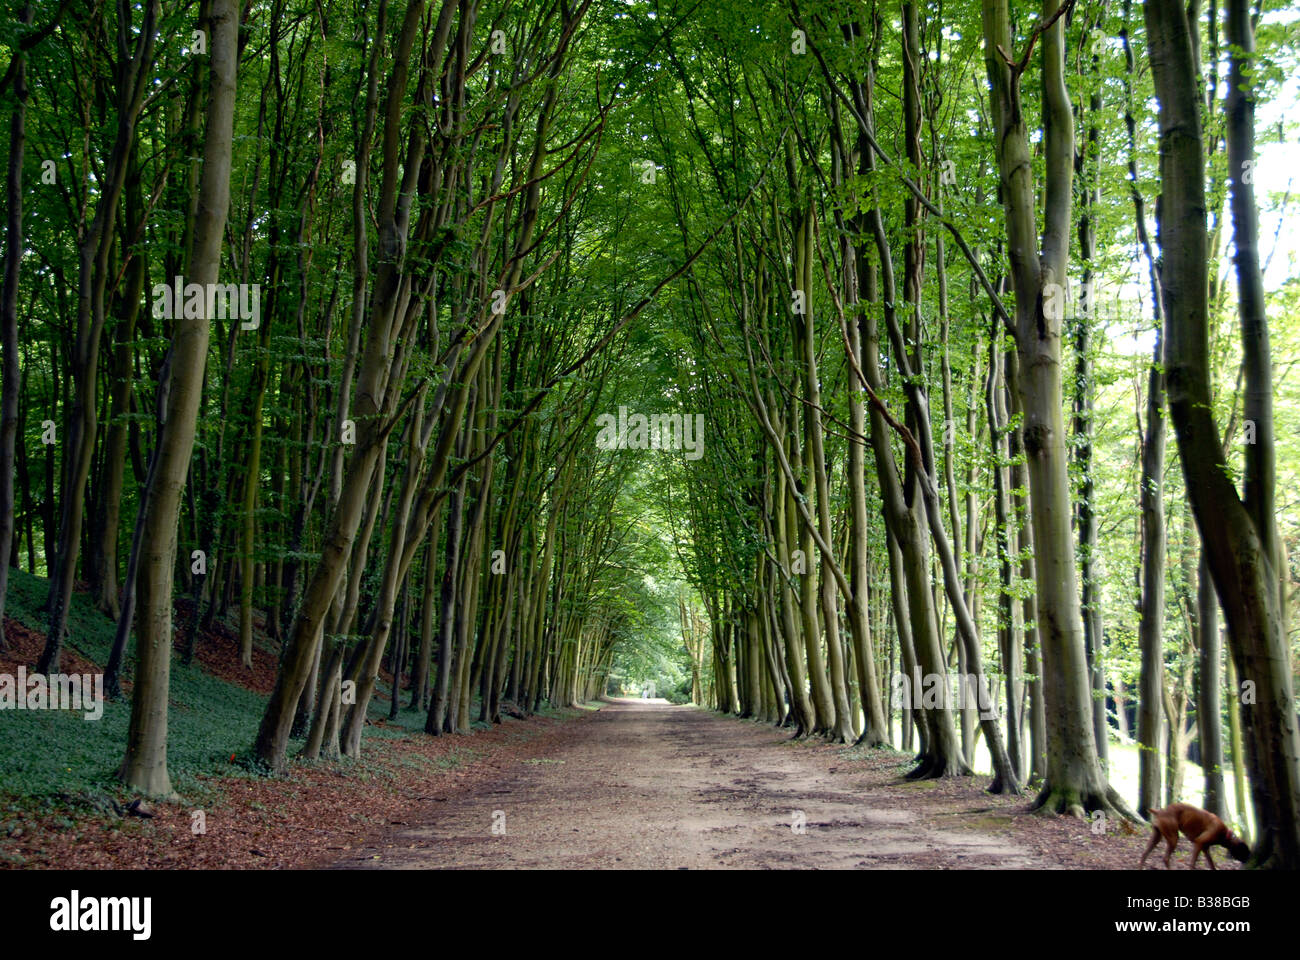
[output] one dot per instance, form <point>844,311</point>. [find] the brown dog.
<point>1201,827</point>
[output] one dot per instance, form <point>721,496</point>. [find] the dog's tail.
<point>1153,812</point>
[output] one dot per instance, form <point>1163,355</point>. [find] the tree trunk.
<point>12,375</point>
<point>376,399</point>
<point>1151,625</point>
<point>1086,168</point>
<point>144,767</point>
<point>1238,533</point>
<point>1209,692</point>
<point>1075,782</point>
<point>93,248</point>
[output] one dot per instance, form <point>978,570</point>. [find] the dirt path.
<point>644,784</point>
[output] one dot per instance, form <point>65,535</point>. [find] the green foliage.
<point>57,754</point>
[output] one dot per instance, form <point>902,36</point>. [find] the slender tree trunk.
<point>13,256</point>
<point>801,705</point>
<point>438,707</point>
<point>1087,173</point>
<point>376,400</point>
<point>1075,782</point>
<point>1151,626</point>
<point>144,767</point>
<point>1238,533</point>
<point>390,585</point>
<point>842,731</point>
<point>104,581</point>
<point>93,250</point>
<point>1209,692</point>
<point>1010,626</point>
<point>420,670</point>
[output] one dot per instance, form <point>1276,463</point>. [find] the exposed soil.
<point>25,647</point>
<point>644,784</point>
<point>637,784</point>
<point>217,649</point>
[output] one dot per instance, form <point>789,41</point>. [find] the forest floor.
<point>309,818</point>
<point>63,806</point>
<point>619,784</point>
<point>644,784</point>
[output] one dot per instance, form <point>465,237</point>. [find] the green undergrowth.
<point>57,761</point>
<point>59,757</point>
<point>864,752</point>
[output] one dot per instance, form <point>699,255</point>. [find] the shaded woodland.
<point>311,313</point>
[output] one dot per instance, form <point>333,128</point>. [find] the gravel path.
<point>645,784</point>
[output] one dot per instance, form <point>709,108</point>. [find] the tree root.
<point>1264,855</point>
<point>1054,801</point>
<point>930,767</point>
<point>873,739</point>
<point>999,786</point>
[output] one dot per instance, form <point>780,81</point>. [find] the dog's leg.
<point>1171,838</point>
<point>1203,843</point>
<point>1155,838</point>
